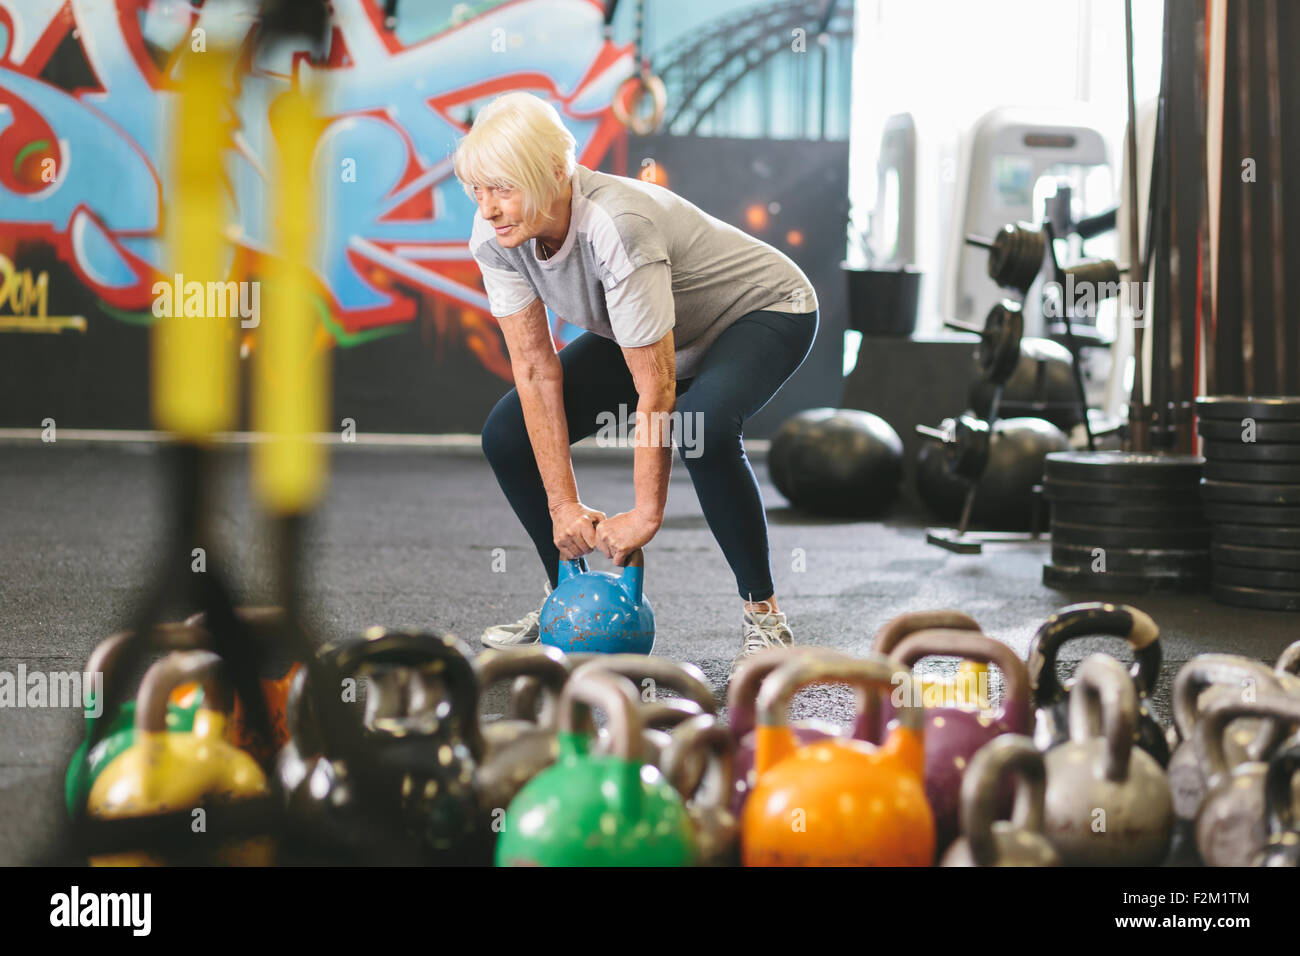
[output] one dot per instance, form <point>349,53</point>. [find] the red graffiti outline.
<point>404,293</point>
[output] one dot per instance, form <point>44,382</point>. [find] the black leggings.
<point>739,374</point>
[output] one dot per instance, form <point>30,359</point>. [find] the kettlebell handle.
<point>872,674</point>
<point>700,761</point>
<point>870,725</point>
<point>613,694</point>
<point>303,732</point>
<point>892,632</point>
<point>108,652</point>
<point>1093,619</point>
<point>572,567</point>
<point>1289,659</point>
<point>1102,683</point>
<point>1010,755</point>
<point>164,676</point>
<point>682,678</point>
<point>1222,670</point>
<point>545,669</point>
<point>1222,705</point>
<point>568,568</point>
<point>742,692</point>
<point>415,649</point>
<point>669,713</point>
<point>975,646</point>
<point>633,577</point>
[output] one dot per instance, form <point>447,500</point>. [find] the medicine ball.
<point>1004,493</point>
<point>780,454</point>
<point>1042,386</point>
<point>840,462</point>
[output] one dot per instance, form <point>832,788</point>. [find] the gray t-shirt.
<point>638,261</point>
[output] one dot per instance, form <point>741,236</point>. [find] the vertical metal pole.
<point>1247,201</point>
<point>1273,95</point>
<point>1137,401</point>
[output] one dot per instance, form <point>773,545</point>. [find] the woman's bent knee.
<point>705,438</point>
<point>505,436</point>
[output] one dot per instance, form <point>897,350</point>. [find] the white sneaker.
<point>524,632</point>
<point>760,630</point>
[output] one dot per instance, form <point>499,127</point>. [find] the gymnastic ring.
<point>646,82</point>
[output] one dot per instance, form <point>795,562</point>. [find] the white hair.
<point>517,140</point>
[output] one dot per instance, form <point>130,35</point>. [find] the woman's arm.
<point>654,370</point>
<point>642,312</point>
<point>539,380</point>
<point>540,383</point>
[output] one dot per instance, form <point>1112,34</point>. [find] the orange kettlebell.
<point>839,801</point>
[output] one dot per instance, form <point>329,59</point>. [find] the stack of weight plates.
<point>1126,523</point>
<point>1251,492</point>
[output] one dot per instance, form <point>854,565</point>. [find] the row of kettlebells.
<point>666,783</point>
<point>1078,766</point>
<point>1236,752</point>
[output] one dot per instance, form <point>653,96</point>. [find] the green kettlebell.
<point>595,809</point>
<point>87,763</point>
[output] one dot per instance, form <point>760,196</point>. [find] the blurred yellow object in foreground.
<point>290,384</point>
<point>193,354</point>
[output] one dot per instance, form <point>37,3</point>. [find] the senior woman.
<point>682,312</point>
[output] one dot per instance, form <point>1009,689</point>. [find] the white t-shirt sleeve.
<point>641,306</point>
<point>507,290</point>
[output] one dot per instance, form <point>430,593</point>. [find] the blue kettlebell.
<point>598,611</point>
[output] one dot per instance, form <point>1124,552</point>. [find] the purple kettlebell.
<point>875,715</point>
<point>954,734</point>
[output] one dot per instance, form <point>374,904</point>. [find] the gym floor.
<point>407,537</point>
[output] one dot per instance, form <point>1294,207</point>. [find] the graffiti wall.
<point>85,94</point>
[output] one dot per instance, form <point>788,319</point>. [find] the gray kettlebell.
<point>662,717</point>
<point>650,674</point>
<point>1232,827</point>
<point>986,840</point>
<point>519,746</point>
<point>1107,801</point>
<point>1282,796</point>
<point>1246,739</point>
<point>700,762</point>
<point>1289,660</point>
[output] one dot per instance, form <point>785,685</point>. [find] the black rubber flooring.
<point>408,537</point>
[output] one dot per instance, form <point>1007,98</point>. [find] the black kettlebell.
<point>426,756</point>
<point>1095,619</point>
<point>411,762</point>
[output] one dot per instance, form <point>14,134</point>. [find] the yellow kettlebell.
<point>164,772</point>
